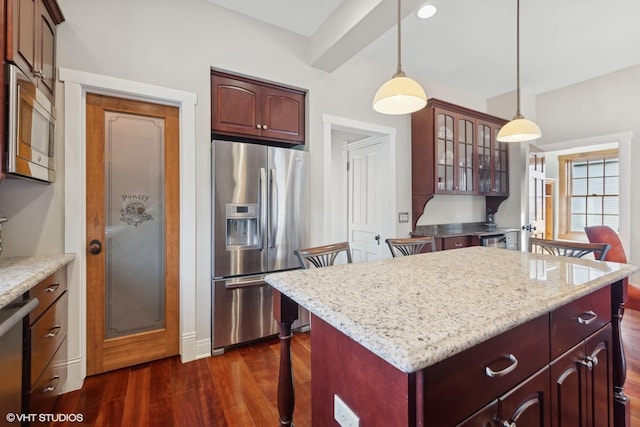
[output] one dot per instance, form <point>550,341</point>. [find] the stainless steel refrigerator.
<point>260,215</point>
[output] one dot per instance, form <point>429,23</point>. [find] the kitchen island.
<point>457,336</point>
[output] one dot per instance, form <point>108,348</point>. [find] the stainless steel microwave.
<point>30,129</point>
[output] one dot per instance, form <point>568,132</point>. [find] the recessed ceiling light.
<point>427,11</point>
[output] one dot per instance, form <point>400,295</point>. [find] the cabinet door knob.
<point>264,126</point>
<point>258,126</point>
<point>38,73</point>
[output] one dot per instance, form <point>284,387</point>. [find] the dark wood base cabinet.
<point>560,369</point>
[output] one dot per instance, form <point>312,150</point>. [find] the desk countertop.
<point>417,310</point>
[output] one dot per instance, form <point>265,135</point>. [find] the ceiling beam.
<point>352,27</point>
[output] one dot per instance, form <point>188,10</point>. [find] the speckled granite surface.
<point>415,311</point>
<point>19,274</point>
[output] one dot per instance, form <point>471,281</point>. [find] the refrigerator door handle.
<point>273,214</point>
<point>262,206</point>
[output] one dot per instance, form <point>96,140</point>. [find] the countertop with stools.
<point>395,322</point>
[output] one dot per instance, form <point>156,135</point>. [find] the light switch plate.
<point>403,217</point>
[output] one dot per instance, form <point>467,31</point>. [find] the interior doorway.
<point>622,141</point>
<point>340,137</point>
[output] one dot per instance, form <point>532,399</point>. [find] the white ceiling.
<point>469,44</point>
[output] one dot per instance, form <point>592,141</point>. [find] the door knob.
<point>377,238</point>
<point>95,247</point>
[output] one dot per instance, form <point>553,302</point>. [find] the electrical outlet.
<point>343,414</point>
<point>403,217</point>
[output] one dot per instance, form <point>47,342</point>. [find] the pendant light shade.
<point>400,95</point>
<point>519,129</point>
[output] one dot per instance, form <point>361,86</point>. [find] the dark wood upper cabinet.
<point>454,150</point>
<point>252,109</point>
<point>31,40</point>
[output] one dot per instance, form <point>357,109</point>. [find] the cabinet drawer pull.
<point>53,287</point>
<point>591,317</point>
<point>457,245</point>
<point>53,331</point>
<point>504,423</point>
<point>53,384</point>
<point>496,374</point>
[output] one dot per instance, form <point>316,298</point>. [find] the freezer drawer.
<point>243,311</point>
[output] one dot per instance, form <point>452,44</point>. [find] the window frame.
<point>565,163</point>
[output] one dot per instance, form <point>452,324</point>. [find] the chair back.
<point>322,256</point>
<point>570,249</point>
<point>410,245</point>
<point>606,234</point>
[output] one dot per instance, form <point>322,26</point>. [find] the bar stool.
<point>322,256</point>
<point>570,249</point>
<point>410,245</point>
<point>604,233</point>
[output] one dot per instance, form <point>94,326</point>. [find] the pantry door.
<point>132,232</point>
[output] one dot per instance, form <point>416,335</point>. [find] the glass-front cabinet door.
<point>466,180</point>
<point>455,153</point>
<point>500,165</point>
<point>492,161</point>
<point>445,148</point>
<point>484,157</point>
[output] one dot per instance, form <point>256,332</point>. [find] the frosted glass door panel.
<point>134,229</point>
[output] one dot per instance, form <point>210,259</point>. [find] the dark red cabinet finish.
<point>252,109</point>
<point>31,40</point>
<point>454,151</point>
<point>514,378</point>
<point>582,389</point>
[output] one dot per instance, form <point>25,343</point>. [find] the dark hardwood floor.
<point>236,389</point>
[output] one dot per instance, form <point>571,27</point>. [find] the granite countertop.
<point>463,229</point>
<point>19,274</point>
<point>417,310</point>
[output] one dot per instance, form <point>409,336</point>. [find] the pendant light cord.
<point>399,72</point>
<point>518,115</point>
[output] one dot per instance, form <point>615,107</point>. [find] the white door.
<point>536,212</point>
<point>367,192</point>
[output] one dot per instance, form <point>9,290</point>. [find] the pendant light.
<point>519,129</point>
<point>400,95</point>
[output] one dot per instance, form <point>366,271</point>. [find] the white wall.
<point>602,106</point>
<point>606,105</point>
<point>174,45</point>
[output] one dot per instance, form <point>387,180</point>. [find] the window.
<point>589,191</point>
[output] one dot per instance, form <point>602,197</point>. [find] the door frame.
<point>624,147</point>
<point>76,85</point>
<point>335,230</point>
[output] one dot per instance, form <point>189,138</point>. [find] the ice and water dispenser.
<point>242,226</point>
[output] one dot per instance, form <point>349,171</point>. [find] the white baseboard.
<point>74,375</point>
<point>203,348</point>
